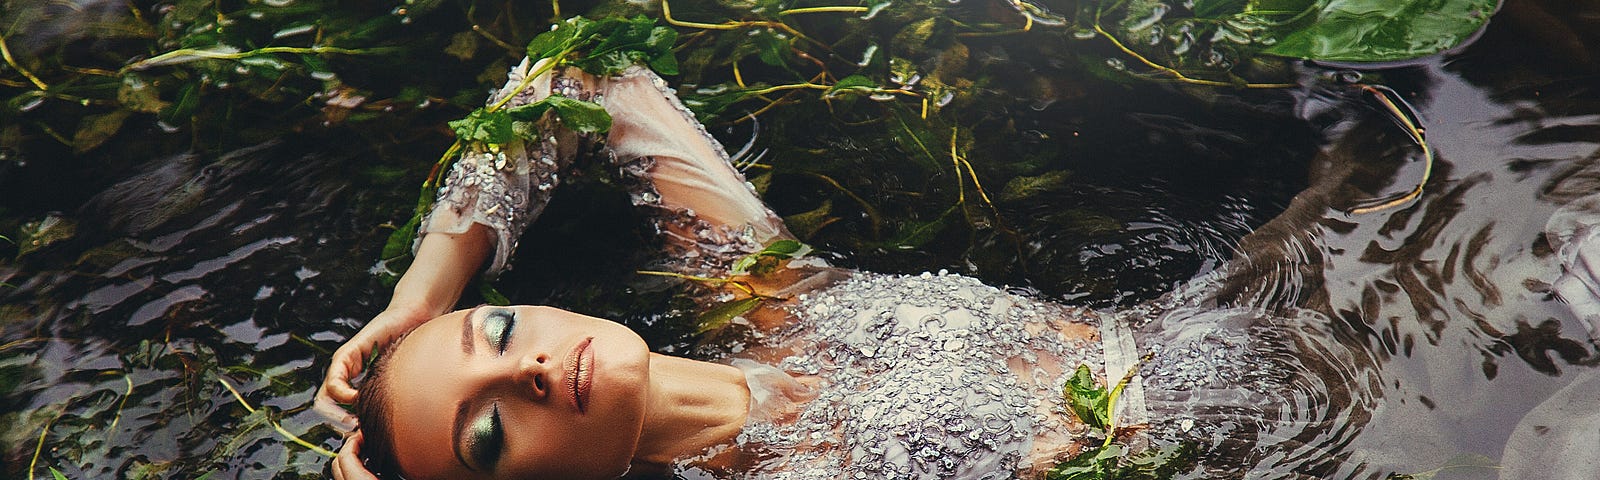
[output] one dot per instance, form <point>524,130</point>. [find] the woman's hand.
<point>444,263</point>
<point>347,465</point>
<point>351,357</point>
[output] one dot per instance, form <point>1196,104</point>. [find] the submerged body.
<point>854,375</point>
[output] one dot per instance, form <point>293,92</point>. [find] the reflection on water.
<point>1423,336</point>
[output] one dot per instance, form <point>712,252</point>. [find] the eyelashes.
<point>497,329</point>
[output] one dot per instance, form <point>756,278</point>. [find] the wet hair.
<point>375,419</point>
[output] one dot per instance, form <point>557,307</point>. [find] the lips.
<point>580,374</point>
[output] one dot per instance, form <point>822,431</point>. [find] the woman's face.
<point>517,392</point>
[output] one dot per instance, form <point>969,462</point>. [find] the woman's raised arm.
<point>444,263</point>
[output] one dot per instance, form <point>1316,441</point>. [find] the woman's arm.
<point>444,263</point>
<point>706,211</point>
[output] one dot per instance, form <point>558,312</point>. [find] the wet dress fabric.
<point>912,376</point>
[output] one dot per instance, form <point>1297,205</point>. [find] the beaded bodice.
<point>930,376</point>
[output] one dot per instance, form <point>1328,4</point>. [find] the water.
<point>185,276</point>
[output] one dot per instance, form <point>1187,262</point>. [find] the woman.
<point>855,375</point>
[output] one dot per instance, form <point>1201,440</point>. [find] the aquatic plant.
<point>937,85</point>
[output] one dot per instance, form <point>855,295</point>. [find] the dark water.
<point>188,275</point>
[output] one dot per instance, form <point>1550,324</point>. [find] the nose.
<point>535,370</point>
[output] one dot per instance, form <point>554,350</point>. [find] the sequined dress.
<point>921,376</point>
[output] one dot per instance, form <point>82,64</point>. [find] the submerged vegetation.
<point>97,88</point>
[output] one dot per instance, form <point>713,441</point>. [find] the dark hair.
<point>375,421</point>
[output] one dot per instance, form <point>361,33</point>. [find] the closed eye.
<point>497,329</point>
<point>486,439</point>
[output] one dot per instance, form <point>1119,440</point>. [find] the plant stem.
<point>797,11</point>
<point>6,52</point>
<point>1176,75</point>
<point>111,430</point>
<point>281,431</point>
<point>1416,134</point>
<point>712,280</point>
<point>213,54</point>
<point>39,447</point>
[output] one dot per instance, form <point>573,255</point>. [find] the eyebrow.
<point>466,330</point>
<point>456,432</point>
<point>462,407</point>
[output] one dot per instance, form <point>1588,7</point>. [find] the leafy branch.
<point>1095,406</point>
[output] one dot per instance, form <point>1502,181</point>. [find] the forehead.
<point>425,386</point>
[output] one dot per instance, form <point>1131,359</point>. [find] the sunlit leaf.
<point>1087,399</point>
<point>578,115</point>
<point>484,126</point>
<point>720,316</point>
<point>1385,30</point>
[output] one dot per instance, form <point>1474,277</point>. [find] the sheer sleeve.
<point>504,189</point>
<point>704,210</point>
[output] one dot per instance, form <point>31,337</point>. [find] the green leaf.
<point>400,241</point>
<point>1087,399</point>
<point>550,43</point>
<point>491,295</point>
<point>786,249</point>
<point>578,115</point>
<point>853,82</point>
<point>178,114</point>
<point>720,316</point>
<point>484,126</point>
<point>1097,464</point>
<point>56,474</point>
<point>1385,30</point>
<point>96,129</point>
<point>138,95</point>
<point>665,64</point>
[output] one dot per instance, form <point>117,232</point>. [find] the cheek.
<point>558,445</point>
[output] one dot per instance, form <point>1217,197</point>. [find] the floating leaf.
<point>1385,30</point>
<point>1097,464</point>
<point>463,45</point>
<point>853,82</point>
<point>1087,399</point>
<point>720,316</point>
<point>138,95</point>
<point>96,129</point>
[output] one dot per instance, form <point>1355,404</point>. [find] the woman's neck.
<point>693,406</point>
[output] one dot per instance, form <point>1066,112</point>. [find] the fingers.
<point>346,364</point>
<point>347,465</point>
